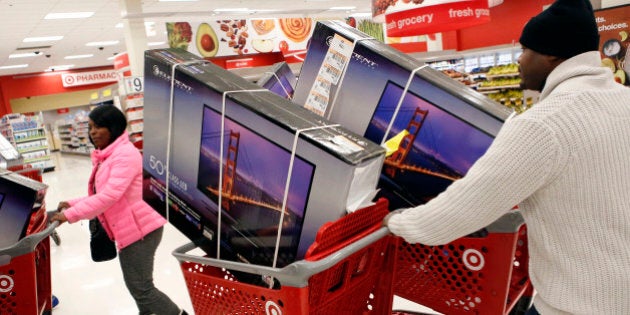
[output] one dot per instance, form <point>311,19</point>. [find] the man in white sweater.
<point>565,162</point>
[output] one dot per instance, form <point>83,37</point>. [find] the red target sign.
<point>6,283</point>
<point>473,259</point>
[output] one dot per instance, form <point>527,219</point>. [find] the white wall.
<point>613,3</point>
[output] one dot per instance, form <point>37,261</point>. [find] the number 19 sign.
<point>134,85</point>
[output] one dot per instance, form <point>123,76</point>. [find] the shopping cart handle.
<point>507,223</point>
<point>295,274</point>
<point>26,244</point>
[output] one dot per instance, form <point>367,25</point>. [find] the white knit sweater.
<point>566,163</point>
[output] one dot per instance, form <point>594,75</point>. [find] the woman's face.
<point>101,137</point>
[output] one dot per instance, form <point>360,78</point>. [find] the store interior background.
<point>133,26</point>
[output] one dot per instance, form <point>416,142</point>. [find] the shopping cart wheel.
<point>55,238</point>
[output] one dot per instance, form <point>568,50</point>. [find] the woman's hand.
<point>59,217</point>
<point>63,205</point>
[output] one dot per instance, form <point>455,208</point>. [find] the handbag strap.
<point>93,178</point>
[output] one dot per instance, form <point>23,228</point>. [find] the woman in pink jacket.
<point>115,197</point>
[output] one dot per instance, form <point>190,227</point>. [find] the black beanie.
<point>566,29</point>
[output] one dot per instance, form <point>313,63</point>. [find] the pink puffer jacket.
<point>117,175</point>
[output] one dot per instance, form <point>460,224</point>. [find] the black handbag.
<point>102,247</point>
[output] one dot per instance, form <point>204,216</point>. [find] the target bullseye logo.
<point>69,80</point>
<point>473,259</point>
<point>272,308</point>
<point>6,283</point>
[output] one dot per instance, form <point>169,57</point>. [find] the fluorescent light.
<point>31,54</point>
<point>79,56</point>
<point>231,10</point>
<point>105,43</point>
<point>362,15</point>
<point>59,67</point>
<point>14,66</point>
<point>68,15</point>
<point>342,8</point>
<point>156,43</point>
<point>177,0</point>
<point>119,25</point>
<point>41,39</point>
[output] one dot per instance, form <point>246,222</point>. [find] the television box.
<point>332,169</point>
<point>440,128</point>
<point>19,198</point>
<point>280,79</point>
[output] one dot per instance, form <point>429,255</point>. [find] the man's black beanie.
<point>566,29</point>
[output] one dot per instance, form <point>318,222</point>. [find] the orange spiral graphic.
<point>296,29</point>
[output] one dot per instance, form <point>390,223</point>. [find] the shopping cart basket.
<point>482,274</point>
<point>347,270</point>
<point>27,170</point>
<point>25,282</point>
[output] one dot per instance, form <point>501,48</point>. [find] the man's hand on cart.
<point>390,215</point>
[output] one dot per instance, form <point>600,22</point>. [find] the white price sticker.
<point>316,103</point>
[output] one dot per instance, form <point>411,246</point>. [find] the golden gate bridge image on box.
<point>228,194</point>
<point>395,163</point>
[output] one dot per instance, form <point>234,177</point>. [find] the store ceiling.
<point>21,19</point>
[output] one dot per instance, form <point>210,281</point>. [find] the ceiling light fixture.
<point>342,8</point>
<point>59,68</point>
<point>14,66</point>
<point>41,39</point>
<point>79,56</point>
<point>119,25</point>
<point>68,15</point>
<point>231,10</point>
<point>24,55</point>
<point>362,15</point>
<point>156,43</point>
<point>104,43</point>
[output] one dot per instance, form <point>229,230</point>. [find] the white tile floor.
<point>86,287</point>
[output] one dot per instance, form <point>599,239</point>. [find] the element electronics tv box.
<point>230,147</point>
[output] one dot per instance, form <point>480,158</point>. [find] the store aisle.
<point>85,287</point>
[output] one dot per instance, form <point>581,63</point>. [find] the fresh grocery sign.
<point>409,18</point>
<point>87,78</point>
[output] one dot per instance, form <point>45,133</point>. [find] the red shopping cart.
<point>482,274</point>
<point>25,275</point>
<point>25,282</point>
<point>348,270</point>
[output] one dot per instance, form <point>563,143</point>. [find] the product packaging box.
<point>434,133</point>
<point>280,79</point>
<point>230,146</point>
<point>19,197</point>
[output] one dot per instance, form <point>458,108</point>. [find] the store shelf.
<point>133,106</point>
<point>28,137</point>
<point>33,149</point>
<point>74,136</point>
<point>23,140</point>
<point>501,75</point>
<point>497,88</point>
